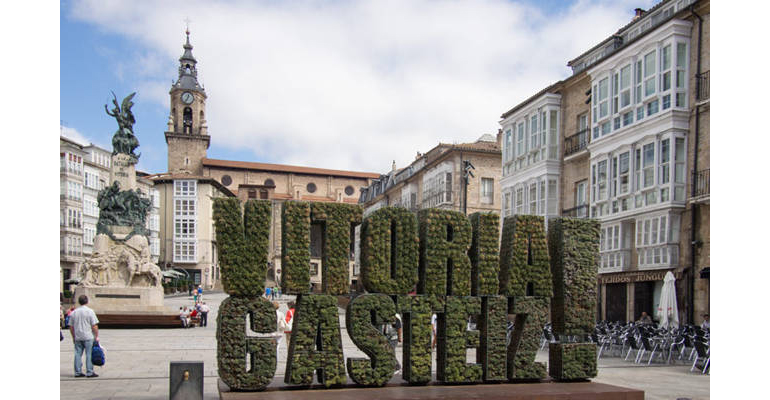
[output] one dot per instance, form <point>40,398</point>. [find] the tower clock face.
<point>187,97</point>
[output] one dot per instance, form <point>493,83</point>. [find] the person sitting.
<point>706,324</point>
<point>195,318</point>
<point>185,317</point>
<point>645,319</point>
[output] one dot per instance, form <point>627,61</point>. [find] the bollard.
<point>185,380</point>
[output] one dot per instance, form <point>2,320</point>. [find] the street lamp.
<point>467,167</point>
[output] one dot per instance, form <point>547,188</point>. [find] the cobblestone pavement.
<point>138,363</point>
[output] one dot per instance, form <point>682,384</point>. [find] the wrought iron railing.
<point>702,86</point>
<point>580,211</point>
<point>701,183</point>
<point>576,142</point>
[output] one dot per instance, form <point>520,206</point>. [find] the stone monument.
<point>120,277</point>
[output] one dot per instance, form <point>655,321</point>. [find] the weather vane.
<point>187,24</point>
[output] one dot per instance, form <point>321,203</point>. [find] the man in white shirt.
<point>84,329</point>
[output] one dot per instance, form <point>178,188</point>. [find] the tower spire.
<point>188,73</point>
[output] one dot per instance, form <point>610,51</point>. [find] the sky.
<point>351,85</point>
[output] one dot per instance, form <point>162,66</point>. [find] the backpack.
<point>97,354</point>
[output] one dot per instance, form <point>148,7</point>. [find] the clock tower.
<point>187,134</point>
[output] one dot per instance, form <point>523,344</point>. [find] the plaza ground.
<point>138,363</point>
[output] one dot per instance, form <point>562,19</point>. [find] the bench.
<point>139,320</point>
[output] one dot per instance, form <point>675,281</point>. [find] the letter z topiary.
<point>531,315</point>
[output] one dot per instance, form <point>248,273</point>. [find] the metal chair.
<point>702,354</point>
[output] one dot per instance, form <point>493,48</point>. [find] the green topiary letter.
<point>484,255</point>
<point>445,269</point>
<point>337,219</point>
<point>531,315</point>
<point>233,346</point>
<point>316,344</point>
<point>492,349</point>
<point>389,251</point>
<point>364,315</point>
<point>454,338</point>
<point>295,247</point>
<point>524,264</point>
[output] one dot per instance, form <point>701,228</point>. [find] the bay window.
<point>533,199</point>
<point>679,169</point>
<point>602,97</point>
<point>681,77</point>
<point>648,166</point>
<point>519,200</point>
<point>185,221</point>
<point>649,74</point>
<point>520,145</point>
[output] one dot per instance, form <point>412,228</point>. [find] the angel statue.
<point>124,140</point>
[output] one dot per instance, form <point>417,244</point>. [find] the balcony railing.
<point>576,142</point>
<point>576,212</point>
<point>702,86</point>
<point>701,183</point>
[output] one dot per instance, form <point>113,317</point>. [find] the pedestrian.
<point>184,317</point>
<point>280,327</point>
<point>84,330</point>
<point>278,288</point>
<point>433,321</point>
<point>193,314</point>
<point>392,335</point>
<point>67,317</point>
<point>289,323</point>
<point>200,293</point>
<point>204,314</point>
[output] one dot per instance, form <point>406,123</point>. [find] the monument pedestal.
<point>141,300</point>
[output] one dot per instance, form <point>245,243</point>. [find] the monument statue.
<point>120,276</point>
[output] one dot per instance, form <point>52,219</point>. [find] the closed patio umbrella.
<point>667,312</point>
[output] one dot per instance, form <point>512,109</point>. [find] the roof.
<point>529,100</point>
<point>210,162</point>
<point>166,177</point>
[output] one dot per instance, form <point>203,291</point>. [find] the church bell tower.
<point>187,135</point>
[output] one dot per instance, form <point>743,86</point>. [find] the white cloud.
<point>355,84</point>
<point>74,135</point>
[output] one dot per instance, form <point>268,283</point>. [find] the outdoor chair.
<point>651,345</point>
<point>633,345</point>
<point>702,354</point>
<point>677,342</point>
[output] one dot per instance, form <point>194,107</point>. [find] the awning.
<point>705,273</point>
<point>170,273</point>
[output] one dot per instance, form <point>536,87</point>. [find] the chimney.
<point>499,136</point>
<point>417,157</point>
<point>639,12</point>
<point>393,167</point>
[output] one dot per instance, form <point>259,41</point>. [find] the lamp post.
<point>467,167</point>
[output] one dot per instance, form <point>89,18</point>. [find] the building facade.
<point>628,118</point>
<point>187,234</point>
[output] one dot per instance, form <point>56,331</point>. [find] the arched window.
<point>187,119</point>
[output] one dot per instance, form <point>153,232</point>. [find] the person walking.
<point>289,323</point>
<point>200,293</point>
<point>280,327</point>
<point>85,331</point>
<point>204,314</point>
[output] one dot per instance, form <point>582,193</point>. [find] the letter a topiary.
<point>242,249</point>
<point>445,269</point>
<point>485,261</point>
<point>233,346</point>
<point>363,317</point>
<point>337,220</point>
<point>295,247</point>
<point>389,266</point>
<point>524,264</point>
<point>316,344</point>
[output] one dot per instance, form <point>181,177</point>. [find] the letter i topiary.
<point>485,261</point>
<point>445,237</point>
<point>337,220</point>
<point>242,249</point>
<point>363,317</point>
<point>316,344</point>
<point>524,263</point>
<point>295,247</point>
<point>454,338</point>
<point>377,232</point>
<point>492,326</point>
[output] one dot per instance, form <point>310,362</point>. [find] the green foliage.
<point>572,361</point>
<point>492,327</point>
<point>454,338</point>
<point>484,255</point>
<point>337,219</point>
<point>524,263</point>
<point>295,247</point>
<point>363,317</point>
<point>316,344</point>
<point>573,245</point>
<point>233,346</point>
<point>445,269</point>
<point>531,315</point>
<point>376,252</point>
<point>416,312</point>
<point>242,244</point>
